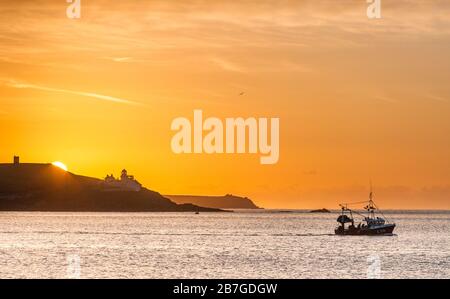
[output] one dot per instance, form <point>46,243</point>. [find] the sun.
<point>60,165</point>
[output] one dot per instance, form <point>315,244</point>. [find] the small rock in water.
<point>320,211</point>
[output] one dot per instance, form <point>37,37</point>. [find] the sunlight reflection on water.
<point>245,244</point>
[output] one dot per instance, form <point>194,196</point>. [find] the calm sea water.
<point>262,244</point>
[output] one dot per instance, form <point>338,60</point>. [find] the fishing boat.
<point>371,224</point>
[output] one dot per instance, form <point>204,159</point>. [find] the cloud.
<point>389,196</point>
<point>385,99</point>
<point>120,59</point>
<point>161,25</point>
<point>438,98</point>
<point>21,85</point>
<point>227,65</point>
<point>168,34</point>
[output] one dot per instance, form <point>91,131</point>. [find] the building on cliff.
<point>125,183</point>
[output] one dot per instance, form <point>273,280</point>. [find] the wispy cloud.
<point>120,59</point>
<point>385,99</point>
<point>227,65</point>
<point>269,24</point>
<point>438,98</point>
<point>22,85</point>
<point>254,65</point>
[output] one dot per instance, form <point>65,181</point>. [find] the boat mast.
<point>370,207</point>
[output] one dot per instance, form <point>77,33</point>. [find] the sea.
<point>242,244</point>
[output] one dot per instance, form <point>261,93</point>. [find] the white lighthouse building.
<point>125,183</point>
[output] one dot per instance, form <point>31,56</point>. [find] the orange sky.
<point>357,99</point>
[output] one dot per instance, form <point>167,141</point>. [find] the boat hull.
<point>366,231</point>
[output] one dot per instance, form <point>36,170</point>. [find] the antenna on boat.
<point>370,206</point>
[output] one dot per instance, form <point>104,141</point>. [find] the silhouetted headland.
<point>44,187</point>
<point>218,202</point>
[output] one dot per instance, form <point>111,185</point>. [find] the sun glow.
<point>60,165</point>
